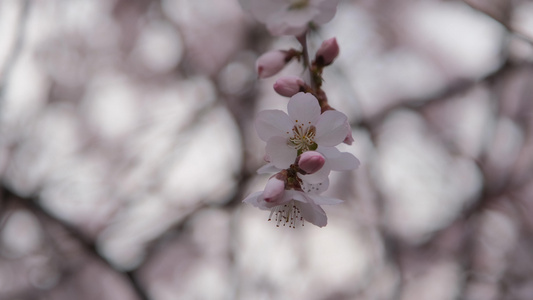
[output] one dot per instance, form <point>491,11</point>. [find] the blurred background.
<point>127,145</point>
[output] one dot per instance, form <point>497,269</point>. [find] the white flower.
<point>303,129</point>
<point>293,207</point>
<point>290,17</point>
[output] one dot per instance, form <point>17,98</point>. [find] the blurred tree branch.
<point>32,204</point>
<point>16,50</point>
<point>458,239</point>
<point>503,19</point>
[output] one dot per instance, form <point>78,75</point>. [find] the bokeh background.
<point>127,145</point>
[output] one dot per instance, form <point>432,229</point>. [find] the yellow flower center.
<point>303,137</point>
<point>299,4</point>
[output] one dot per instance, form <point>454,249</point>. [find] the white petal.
<point>271,123</point>
<point>338,161</point>
<point>295,195</point>
<point>298,196</point>
<point>322,200</point>
<point>329,152</point>
<point>317,177</point>
<point>281,155</point>
<point>263,10</point>
<point>268,168</point>
<point>330,128</point>
<point>327,11</point>
<point>300,17</point>
<point>303,108</point>
<point>344,162</point>
<point>291,21</point>
<point>314,214</point>
<point>256,199</point>
<point>315,188</point>
<point>282,28</point>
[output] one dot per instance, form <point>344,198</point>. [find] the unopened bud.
<point>271,63</point>
<point>274,190</point>
<point>310,162</point>
<point>289,86</point>
<point>328,51</point>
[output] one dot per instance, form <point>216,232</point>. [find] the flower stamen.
<point>287,214</point>
<point>303,138</point>
<point>299,4</point>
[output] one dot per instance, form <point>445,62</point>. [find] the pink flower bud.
<point>311,161</point>
<point>289,86</point>
<point>270,63</point>
<point>274,190</point>
<point>328,51</point>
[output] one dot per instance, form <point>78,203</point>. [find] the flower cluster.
<point>300,144</point>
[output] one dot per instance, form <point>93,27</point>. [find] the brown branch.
<point>454,88</point>
<point>32,204</point>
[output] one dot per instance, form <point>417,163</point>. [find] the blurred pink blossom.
<point>291,17</point>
